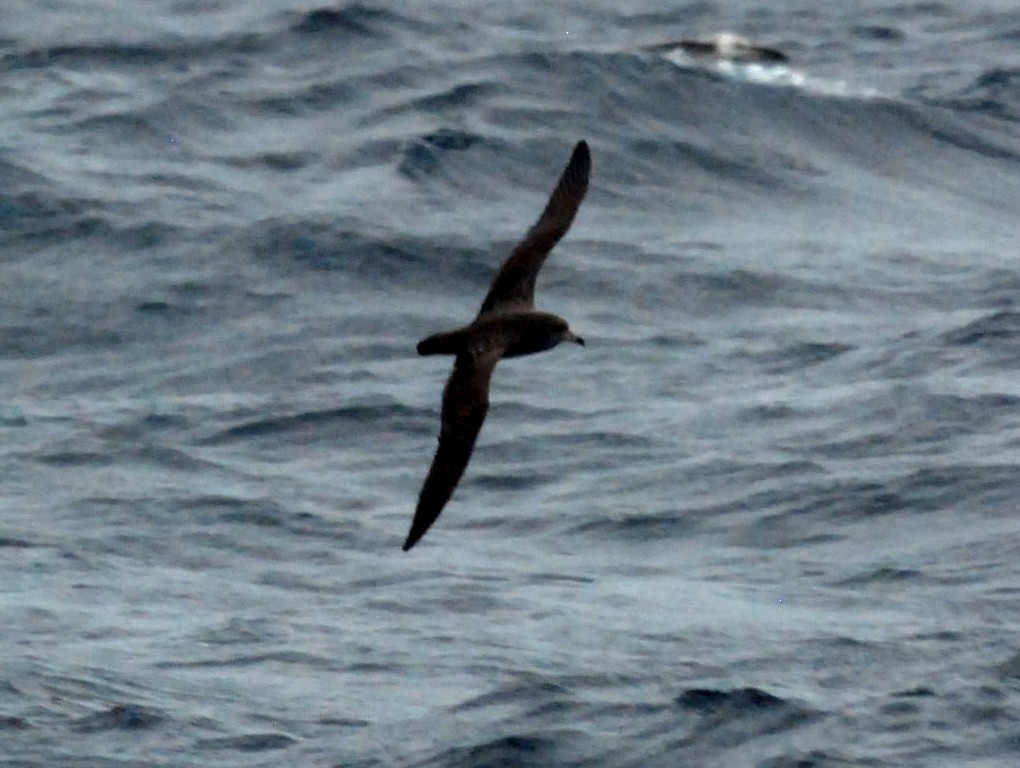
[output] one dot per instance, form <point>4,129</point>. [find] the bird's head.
<point>569,335</point>
<point>561,332</point>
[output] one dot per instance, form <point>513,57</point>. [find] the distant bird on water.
<point>725,46</point>
<point>507,325</point>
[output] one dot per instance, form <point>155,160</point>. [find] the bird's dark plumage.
<point>513,286</point>
<point>506,326</point>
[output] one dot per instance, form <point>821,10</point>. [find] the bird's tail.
<point>448,343</point>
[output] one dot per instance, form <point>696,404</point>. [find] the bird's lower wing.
<point>465,403</point>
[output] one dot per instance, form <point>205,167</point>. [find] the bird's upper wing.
<point>513,287</point>
<point>465,403</point>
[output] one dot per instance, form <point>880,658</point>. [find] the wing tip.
<point>581,156</point>
<point>412,538</point>
<point>419,527</point>
<point>578,170</point>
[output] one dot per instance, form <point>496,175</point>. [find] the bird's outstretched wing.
<point>513,287</point>
<point>465,403</point>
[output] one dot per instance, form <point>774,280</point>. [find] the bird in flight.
<point>507,325</point>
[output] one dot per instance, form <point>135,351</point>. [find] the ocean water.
<point>768,517</point>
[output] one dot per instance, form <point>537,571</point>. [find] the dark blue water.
<point>768,517</point>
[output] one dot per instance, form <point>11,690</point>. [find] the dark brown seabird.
<point>507,325</point>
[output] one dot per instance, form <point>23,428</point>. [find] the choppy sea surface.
<point>768,517</point>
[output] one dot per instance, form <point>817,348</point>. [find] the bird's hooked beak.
<point>571,336</point>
